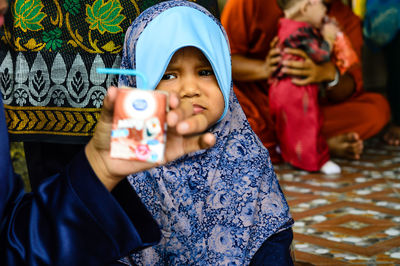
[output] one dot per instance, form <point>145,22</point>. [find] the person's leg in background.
<point>369,111</point>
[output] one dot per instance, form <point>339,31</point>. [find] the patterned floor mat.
<point>351,218</point>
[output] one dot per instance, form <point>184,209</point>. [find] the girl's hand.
<point>307,72</point>
<point>185,130</point>
<point>184,136</point>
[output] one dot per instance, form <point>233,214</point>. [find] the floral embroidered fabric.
<point>49,52</point>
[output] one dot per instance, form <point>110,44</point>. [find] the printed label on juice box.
<point>139,125</point>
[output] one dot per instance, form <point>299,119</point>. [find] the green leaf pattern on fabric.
<point>28,15</point>
<point>72,6</point>
<point>105,16</point>
<point>53,39</point>
<point>87,26</point>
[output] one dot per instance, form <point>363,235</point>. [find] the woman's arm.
<point>304,72</point>
<point>249,69</point>
<point>343,90</point>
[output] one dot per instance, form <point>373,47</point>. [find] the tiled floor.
<point>351,218</point>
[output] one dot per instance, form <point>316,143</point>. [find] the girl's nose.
<point>189,89</point>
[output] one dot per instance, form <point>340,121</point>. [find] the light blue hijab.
<point>168,30</point>
<point>214,206</point>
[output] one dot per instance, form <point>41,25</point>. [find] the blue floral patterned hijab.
<point>215,206</point>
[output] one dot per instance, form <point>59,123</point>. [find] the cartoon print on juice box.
<point>139,123</point>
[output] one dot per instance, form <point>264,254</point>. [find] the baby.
<point>295,109</point>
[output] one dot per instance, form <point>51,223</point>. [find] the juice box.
<point>139,125</point>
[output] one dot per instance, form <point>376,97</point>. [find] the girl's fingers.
<point>184,110</point>
<point>101,137</point>
<point>200,142</point>
<point>108,105</point>
<point>173,100</point>
<point>192,125</point>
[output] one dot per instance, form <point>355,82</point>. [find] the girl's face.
<point>190,75</point>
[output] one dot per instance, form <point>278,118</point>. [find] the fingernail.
<point>174,101</point>
<point>173,118</point>
<point>183,127</point>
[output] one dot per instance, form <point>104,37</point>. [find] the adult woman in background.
<point>350,114</point>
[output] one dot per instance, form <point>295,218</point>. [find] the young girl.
<point>294,108</point>
<point>217,206</point>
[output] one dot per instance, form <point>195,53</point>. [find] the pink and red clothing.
<point>295,109</point>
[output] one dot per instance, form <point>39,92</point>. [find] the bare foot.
<point>348,146</point>
<point>392,135</point>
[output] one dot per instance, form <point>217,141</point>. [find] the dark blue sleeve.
<point>71,219</point>
<point>276,250</point>
<point>11,187</point>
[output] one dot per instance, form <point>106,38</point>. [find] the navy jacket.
<point>71,219</point>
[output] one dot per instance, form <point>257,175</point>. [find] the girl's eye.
<point>168,76</point>
<point>206,72</point>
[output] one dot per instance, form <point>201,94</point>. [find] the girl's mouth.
<point>198,109</point>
